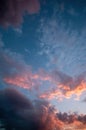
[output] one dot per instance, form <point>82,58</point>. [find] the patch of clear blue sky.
<point>70,105</point>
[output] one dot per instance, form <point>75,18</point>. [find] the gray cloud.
<point>84,100</point>
<point>11,62</point>
<point>16,111</point>
<point>19,113</point>
<point>12,11</point>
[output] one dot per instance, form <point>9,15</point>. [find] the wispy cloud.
<point>65,86</point>
<point>16,72</point>
<point>64,47</point>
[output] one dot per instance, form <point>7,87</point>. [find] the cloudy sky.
<point>43,57</point>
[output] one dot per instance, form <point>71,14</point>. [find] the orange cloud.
<point>75,126</point>
<point>19,81</point>
<point>65,91</point>
<point>57,94</point>
<point>27,79</point>
<point>62,86</point>
<point>40,113</point>
<point>78,90</point>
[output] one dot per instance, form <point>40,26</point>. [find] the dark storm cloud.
<point>11,11</point>
<point>20,113</point>
<point>16,99</point>
<point>16,111</point>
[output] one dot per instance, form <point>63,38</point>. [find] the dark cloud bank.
<point>12,11</point>
<point>16,111</point>
<point>19,113</point>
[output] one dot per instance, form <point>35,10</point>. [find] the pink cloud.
<point>11,11</point>
<point>16,72</point>
<point>39,113</point>
<point>64,87</point>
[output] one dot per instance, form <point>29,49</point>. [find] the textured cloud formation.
<point>12,65</point>
<point>11,11</point>
<point>66,86</point>
<point>71,118</point>
<point>72,121</point>
<point>24,114</point>
<point>14,71</point>
<point>64,47</point>
<point>18,112</point>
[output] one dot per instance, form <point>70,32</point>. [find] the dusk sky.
<point>43,56</point>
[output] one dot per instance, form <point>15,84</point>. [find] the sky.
<point>43,60</point>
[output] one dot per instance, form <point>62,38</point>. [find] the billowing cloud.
<point>12,11</point>
<point>37,115</point>
<point>19,112</point>
<point>72,121</point>
<point>71,118</point>
<point>15,98</point>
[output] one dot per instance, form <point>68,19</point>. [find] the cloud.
<point>16,99</point>
<point>63,45</point>
<point>14,68</point>
<point>84,100</point>
<point>71,117</point>
<point>19,112</point>
<point>15,72</point>
<point>11,11</point>
<point>65,86</point>
<point>72,121</point>
<point>37,115</point>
